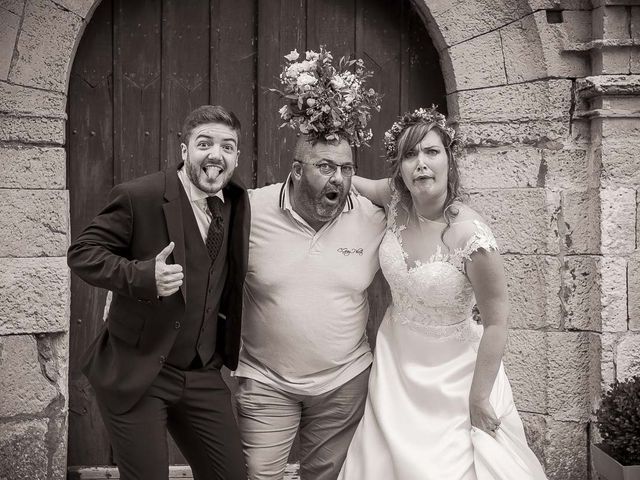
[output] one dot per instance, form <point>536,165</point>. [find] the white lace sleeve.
<point>481,239</point>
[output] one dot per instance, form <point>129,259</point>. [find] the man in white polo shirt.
<point>313,251</point>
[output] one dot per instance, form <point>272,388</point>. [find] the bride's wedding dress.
<point>416,423</point>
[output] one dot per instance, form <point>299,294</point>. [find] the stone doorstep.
<point>175,471</point>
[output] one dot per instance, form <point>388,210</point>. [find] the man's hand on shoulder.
<point>168,277</point>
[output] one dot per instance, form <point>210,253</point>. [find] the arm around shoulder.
<point>377,191</point>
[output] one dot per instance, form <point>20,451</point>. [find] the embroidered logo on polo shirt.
<point>348,251</point>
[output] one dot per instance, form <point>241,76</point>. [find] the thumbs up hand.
<point>168,277</point>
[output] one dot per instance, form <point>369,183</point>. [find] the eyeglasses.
<point>328,168</point>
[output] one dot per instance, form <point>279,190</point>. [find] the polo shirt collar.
<point>285,197</point>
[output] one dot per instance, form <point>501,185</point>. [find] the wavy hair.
<point>407,140</point>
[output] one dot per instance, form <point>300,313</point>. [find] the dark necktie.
<point>216,228</point>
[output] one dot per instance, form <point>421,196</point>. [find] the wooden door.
<point>142,65</point>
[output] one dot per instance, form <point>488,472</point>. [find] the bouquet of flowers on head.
<point>325,102</point>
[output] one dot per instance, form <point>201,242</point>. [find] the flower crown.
<point>421,115</point>
<point>325,102</point>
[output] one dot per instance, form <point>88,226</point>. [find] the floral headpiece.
<point>421,115</point>
<point>325,102</point>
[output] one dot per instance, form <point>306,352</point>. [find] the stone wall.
<point>546,93</point>
<point>551,161</point>
<point>37,41</point>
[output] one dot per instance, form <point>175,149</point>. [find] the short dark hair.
<point>209,114</point>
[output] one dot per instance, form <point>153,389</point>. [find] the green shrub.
<point>619,421</point>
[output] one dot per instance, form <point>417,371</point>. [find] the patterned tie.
<point>216,227</point>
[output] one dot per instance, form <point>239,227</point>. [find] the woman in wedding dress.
<point>439,404</point>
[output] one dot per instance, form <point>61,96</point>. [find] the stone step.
<point>175,472</point>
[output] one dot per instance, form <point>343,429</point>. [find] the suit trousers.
<point>269,419</point>
<point>195,407</point>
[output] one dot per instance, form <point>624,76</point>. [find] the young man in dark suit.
<point>172,247</point>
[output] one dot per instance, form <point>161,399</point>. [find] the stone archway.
<point>536,144</point>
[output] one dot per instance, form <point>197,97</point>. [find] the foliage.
<point>619,421</point>
<point>421,115</point>
<point>324,101</point>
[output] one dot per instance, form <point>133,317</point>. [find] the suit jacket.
<point>117,252</point>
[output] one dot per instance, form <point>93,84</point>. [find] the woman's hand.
<point>483,416</point>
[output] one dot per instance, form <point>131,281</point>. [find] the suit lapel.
<point>173,215</point>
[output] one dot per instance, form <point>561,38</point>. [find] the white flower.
<point>311,55</point>
<point>311,102</point>
<point>337,82</point>
<point>306,79</point>
<point>293,56</point>
<point>294,70</point>
<point>283,110</point>
<point>306,66</point>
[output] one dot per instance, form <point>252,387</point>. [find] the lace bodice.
<point>434,296</point>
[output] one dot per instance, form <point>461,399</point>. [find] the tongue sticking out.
<point>211,171</point>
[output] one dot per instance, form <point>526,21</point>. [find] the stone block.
<point>34,295</point>
<point>32,168</point>
<point>542,100</point>
<point>568,169</point>
<point>34,223</point>
<point>634,62</point>
<point>613,297</point>
<point>53,352</point>
<point>566,450</point>
<point>620,163</point>
<point>580,221</point>
<point>533,283</point>
<point>574,375</point>
<point>607,373</point>
<point>522,50</point>
<point>635,22</point>
<point>617,223</point>
<point>32,129</point>
<point>460,20</point>
<point>580,294</point>
<point>472,65</point>
<point>561,4</point>
<point>628,356</point>
<point>45,64</point>
<point>526,364</point>
<point>9,26</point>
<point>611,60</point>
<point>26,390</point>
<point>619,130</point>
<point>58,428</point>
<point>513,167</point>
<point>633,290</point>
<point>17,99</point>
<point>14,6</point>
<point>521,219</point>
<point>525,113</point>
<point>611,22</point>
<point>82,8</point>
<point>506,133</point>
<point>24,443</point>
<point>555,45</point>
<point>535,428</point>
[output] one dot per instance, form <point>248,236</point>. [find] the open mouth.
<point>212,170</point>
<point>331,196</point>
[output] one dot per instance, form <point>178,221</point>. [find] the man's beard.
<point>316,206</point>
<point>199,178</point>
